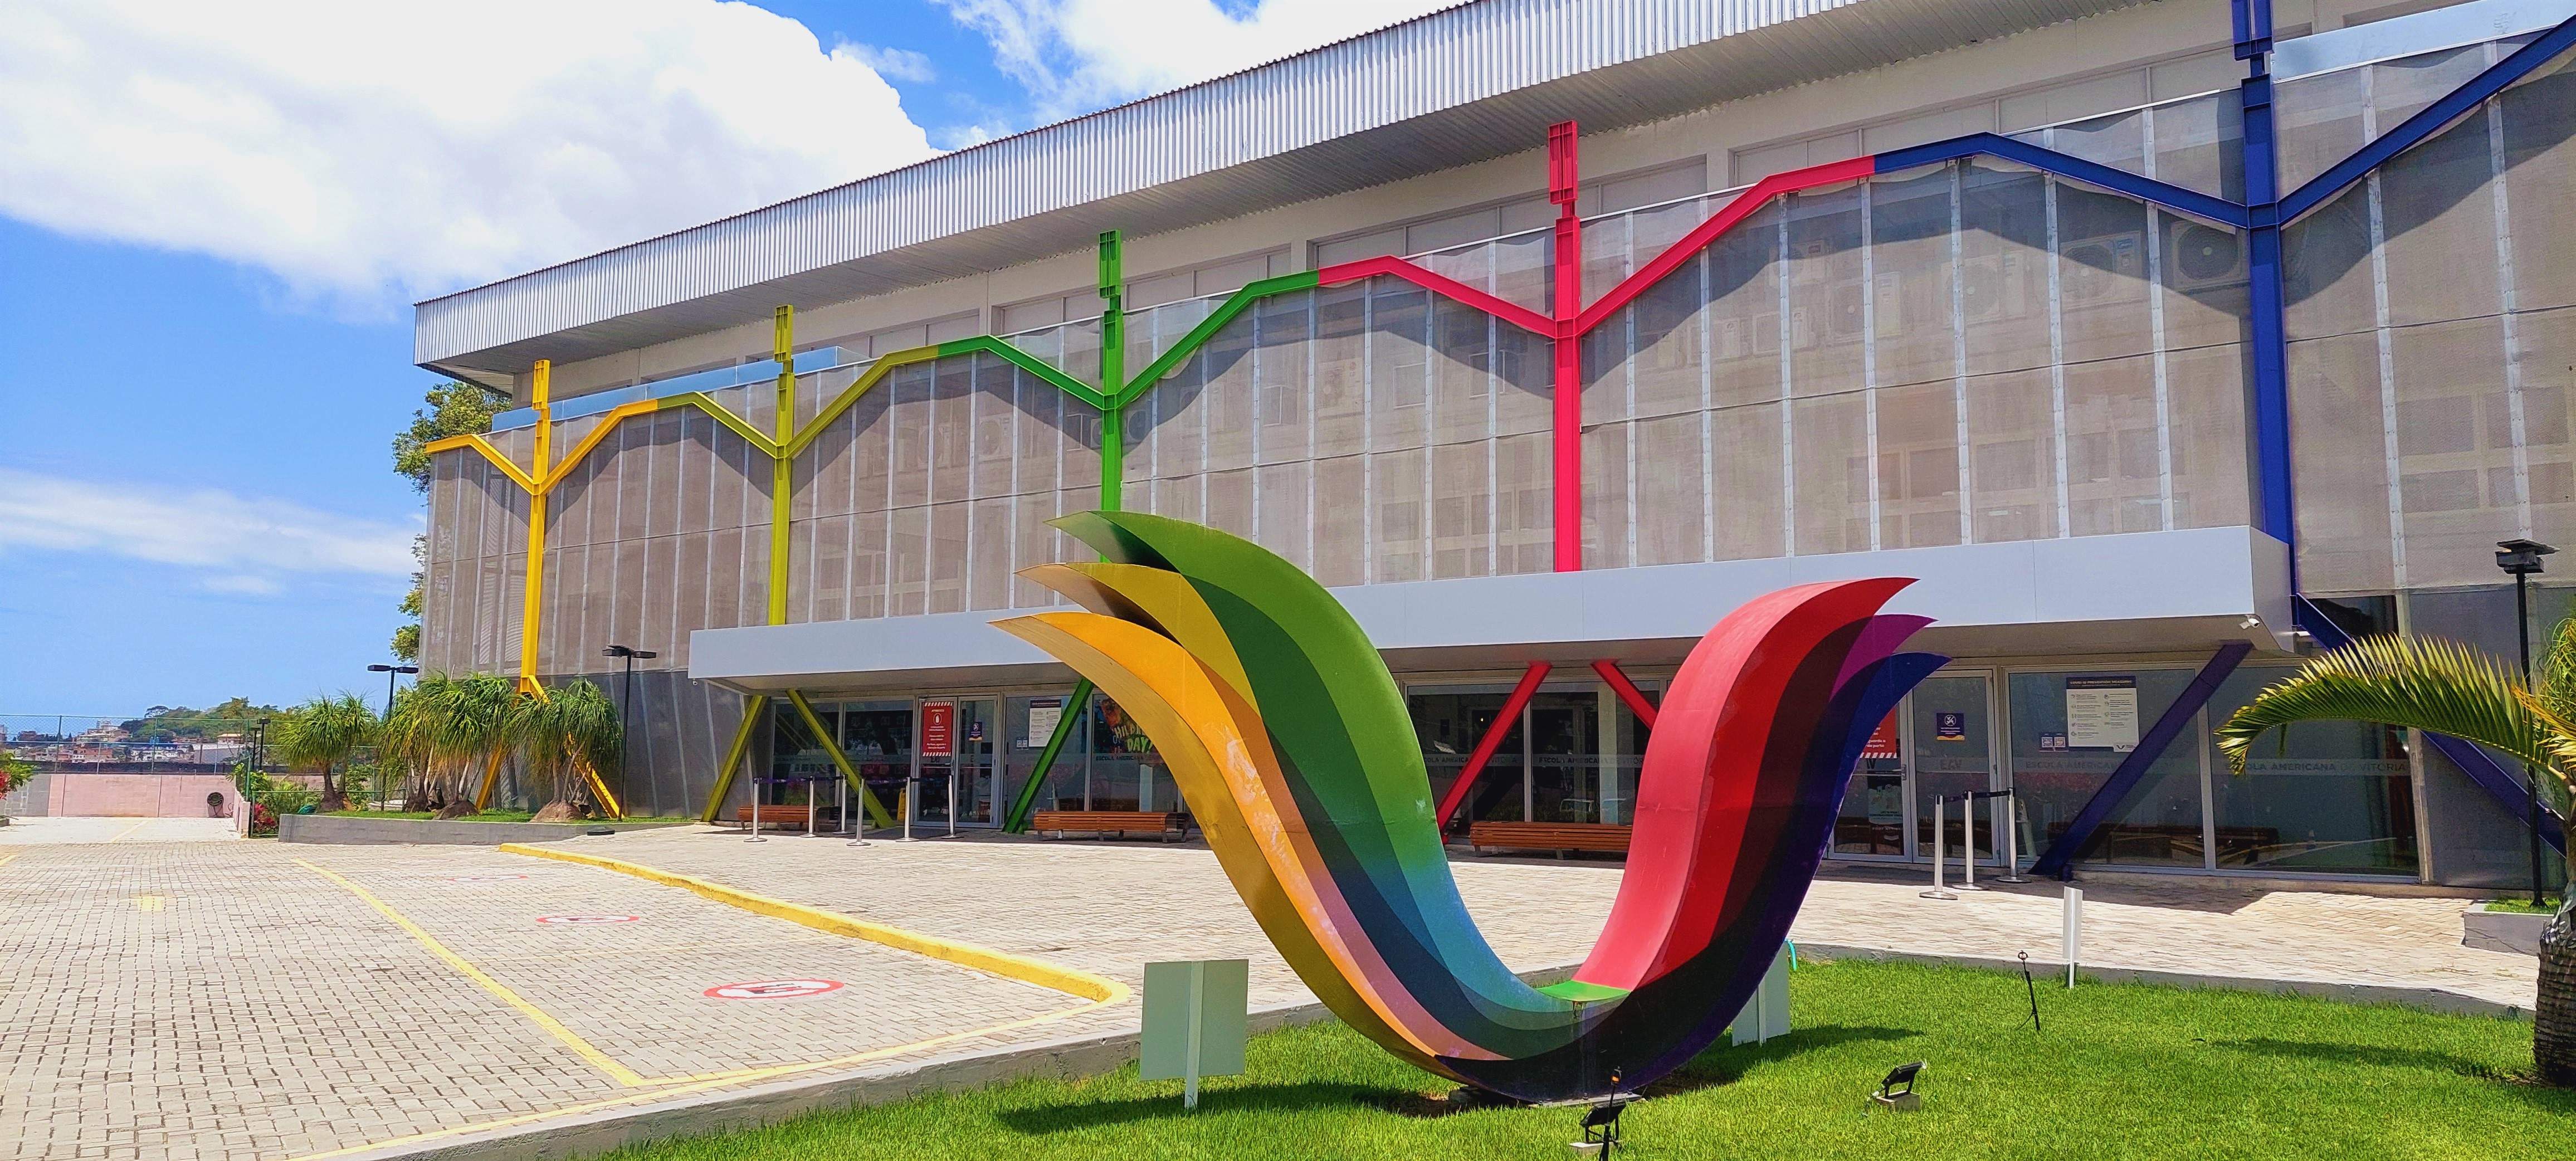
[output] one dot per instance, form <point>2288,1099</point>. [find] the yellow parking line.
<point>598,1059</point>
<point>1099,991</point>
<point>1071,981</point>
<point>5,859</point>
<point>120,835</point>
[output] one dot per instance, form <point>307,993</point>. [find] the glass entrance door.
<point>1872,821</point>
<point>954,785</point>
<point>1950,718</point>
<point>979,727</point>
<point>1564,783</point>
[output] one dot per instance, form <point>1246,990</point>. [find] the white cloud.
<point>355,149</point>
<point>242,544</point>
<point>239,584</point>
<point>902,64</point>
<point>1075,55</point>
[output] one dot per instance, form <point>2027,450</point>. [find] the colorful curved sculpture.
<point>1292,744</point>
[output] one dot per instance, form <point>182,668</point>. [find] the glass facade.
<point>1571,754</point>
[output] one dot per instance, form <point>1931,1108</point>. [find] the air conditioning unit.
<point>2100,268</point>
<point>2198,256</point>
<point>1994,286</point>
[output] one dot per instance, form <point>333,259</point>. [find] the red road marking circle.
<point>483,878</point>
<point>586,920</point>
<point>772,989</point>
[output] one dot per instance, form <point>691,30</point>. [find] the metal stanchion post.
<point>2012,839</point>
<point>856,830</point>
<point>910,783</point>
<point>1938,817</point>
<point>1968,843</point>
<point>952,799</point>
<point>755,811</point>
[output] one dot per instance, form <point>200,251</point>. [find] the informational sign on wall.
<point>2102,713</point>
<point>1045,714</point>
<point>938,729</point>
<point>1949,726</point>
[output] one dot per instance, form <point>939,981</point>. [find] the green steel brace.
<point>1076,709</point>
<point>1116,393</point>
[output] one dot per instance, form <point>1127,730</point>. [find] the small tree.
<point>325,732</point>
<point>457,727</point>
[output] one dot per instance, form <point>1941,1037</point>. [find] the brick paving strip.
<point>262,981</point>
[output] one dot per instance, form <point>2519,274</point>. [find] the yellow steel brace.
<point>832,746</point>
<point>751,707</point>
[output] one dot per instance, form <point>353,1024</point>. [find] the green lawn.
<point>499,816</point>
<point>2121,1071</point>
<point>2523,906</point>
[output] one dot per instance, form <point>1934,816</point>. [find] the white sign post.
<point>1196,1013</point>
<point>2071,943</point>
<point>1766,1014</point>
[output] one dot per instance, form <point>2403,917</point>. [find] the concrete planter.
<point>2502,931</point>
<point>324,828</point>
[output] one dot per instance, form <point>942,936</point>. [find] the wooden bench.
<point>787,817</point>
<point>1059,823</point>
<point>1548,836</point>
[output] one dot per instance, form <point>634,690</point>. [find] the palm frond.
<point>2423,682</point>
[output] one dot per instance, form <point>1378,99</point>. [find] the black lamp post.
<point>2520,559</point>
<point>392,673</point>
<point>626,712</point>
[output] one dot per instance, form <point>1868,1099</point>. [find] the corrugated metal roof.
<point>1455,87</point>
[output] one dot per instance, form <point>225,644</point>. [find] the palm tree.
<point>455,728</point>
<point>403,740</point>
<point>2449,688</point>
<point>562,733</point>
<point>325,732</point>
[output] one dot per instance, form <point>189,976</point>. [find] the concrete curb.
<point>589,1134</point>
<point>326,828</point>
<point>2514,932</point>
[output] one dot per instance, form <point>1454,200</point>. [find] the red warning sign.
<point>938,729</point>
<point>586,920</point>
<point>483,878</point>
<point>772,989</point>
<point>1882,741</point>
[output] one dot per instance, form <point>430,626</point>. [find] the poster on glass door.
<point>2102,713</point>
<point>1045,714</point>
<point>938,729</point>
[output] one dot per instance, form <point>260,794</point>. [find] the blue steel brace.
<point>2059,859</point>
<point>2094,173</point>
<point>2435,117</point>
<point>2267,307</point>
<point>2488,774</point>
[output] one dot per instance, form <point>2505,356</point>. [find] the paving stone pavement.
<point>222,1000</point>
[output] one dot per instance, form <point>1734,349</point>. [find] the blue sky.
<point>209,244</point>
